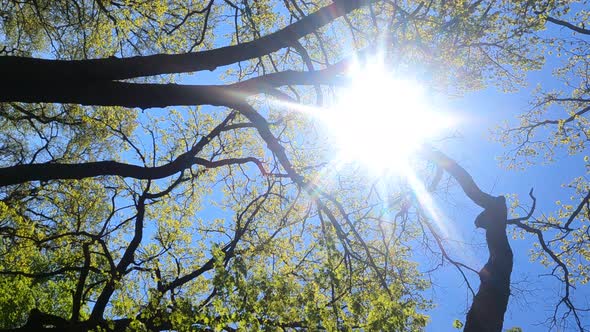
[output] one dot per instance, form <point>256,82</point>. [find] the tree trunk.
<point>490,302</point>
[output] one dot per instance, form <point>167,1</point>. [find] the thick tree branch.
<point>124,262</point>
<point>54,171</point>
<point>568,25</point>
<point>274,145</point>
<point>107,93</point>
<point>77,299</point>
<point>462,176</point>
<point>490,302</point>
<point>20,68</point>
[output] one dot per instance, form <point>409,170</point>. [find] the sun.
<point>381,120</point>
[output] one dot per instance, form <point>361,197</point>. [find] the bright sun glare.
<point>380,120</point>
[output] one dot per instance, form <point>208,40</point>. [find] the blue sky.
<point>533,296</point>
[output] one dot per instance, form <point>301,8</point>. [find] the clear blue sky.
<point>533,296</point>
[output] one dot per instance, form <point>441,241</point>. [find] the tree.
<point>215,213</point>
<point>554,124</point>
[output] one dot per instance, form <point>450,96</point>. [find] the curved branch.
<point>566,299</point>
<point>17,68</point>
<point>45,172</point>
<point>462,176</point>
<point>55,171</point>
<point>529,214</point>
<point>489,304</point>
<point>568,25</point>
<point>529,128</point>
<point>127,258</point>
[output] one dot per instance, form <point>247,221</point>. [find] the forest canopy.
<point>274,165</point>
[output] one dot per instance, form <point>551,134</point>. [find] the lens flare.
<point>379,120</point>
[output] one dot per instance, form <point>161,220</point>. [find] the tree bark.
<point>109,69</point>
<point>489,304</point>
<point>148,95</point>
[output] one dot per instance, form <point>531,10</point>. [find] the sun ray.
<point>379,120</point>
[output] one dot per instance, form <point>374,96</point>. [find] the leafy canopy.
<point>224,209</point>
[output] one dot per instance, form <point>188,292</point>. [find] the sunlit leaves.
<point>238,244</point>
<point>556,127</point>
